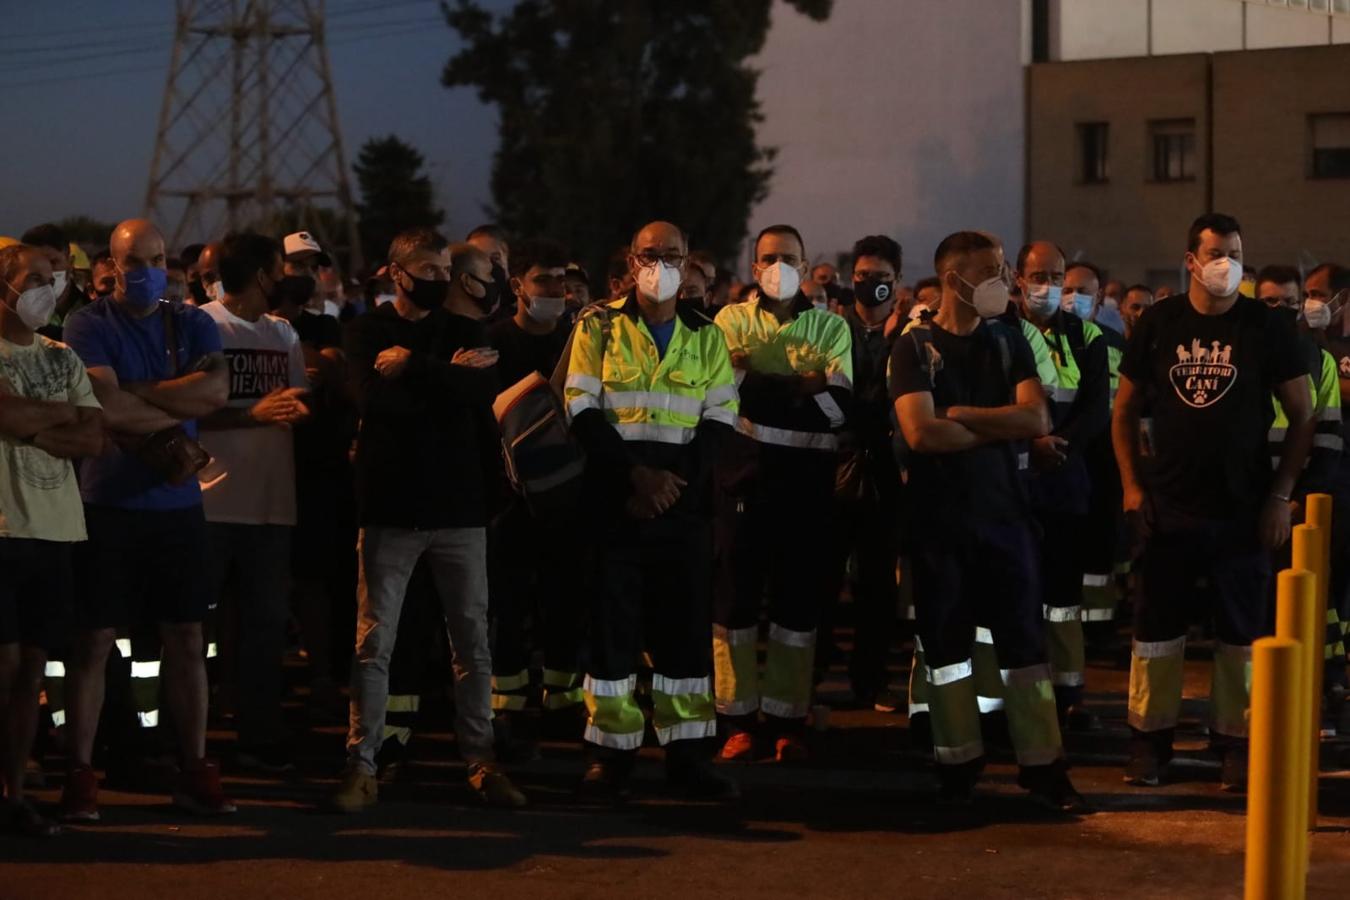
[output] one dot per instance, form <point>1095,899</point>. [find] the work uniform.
<point>1105,555</point>
<point>661,397</point>
<point>975,555</point>
<point>1209,381</point>
<point>778,473</point>
<point>1080,413</point>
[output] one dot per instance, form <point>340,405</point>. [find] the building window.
<point>1173,142</point>
<point>1330,145</point>
<point>1092,137</point>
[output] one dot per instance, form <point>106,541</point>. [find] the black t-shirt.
<point>519,353</point>
<point>979,369</point>
<point>1210,380</point>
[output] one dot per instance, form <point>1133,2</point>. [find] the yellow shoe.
<point>358,791</point>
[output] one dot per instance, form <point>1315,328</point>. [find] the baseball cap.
<point>302,243</point>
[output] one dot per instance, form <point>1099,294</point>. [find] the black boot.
<point>606,779</point>
<point>1050,788</point>
<point>689,772</point>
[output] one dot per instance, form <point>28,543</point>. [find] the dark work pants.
<point>867,529</point>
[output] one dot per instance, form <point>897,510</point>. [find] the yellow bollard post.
<point>1295,617</point>
<point>1307,555</point>
<point>1273,869</point>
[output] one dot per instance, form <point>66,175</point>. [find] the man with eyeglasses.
<point>794,365</point>
<point>652,397</point>
<point>1061,487</point>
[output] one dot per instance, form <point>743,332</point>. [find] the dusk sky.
<point>83,82</point>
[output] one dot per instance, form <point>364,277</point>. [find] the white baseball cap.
<point>302,244</point>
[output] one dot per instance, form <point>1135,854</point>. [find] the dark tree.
<point>86,231</point>
<point>615,112</point>
<point>395,194</point>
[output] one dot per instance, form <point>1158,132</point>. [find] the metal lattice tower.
<point>248,131</point>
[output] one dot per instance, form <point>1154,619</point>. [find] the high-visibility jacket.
<point>772,411</point>
<point>631,406</point>
<point>1320,470</point>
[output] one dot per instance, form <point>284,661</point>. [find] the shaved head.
<point>139,237</point>
<point>1040,256</point>
<point>662,234</point>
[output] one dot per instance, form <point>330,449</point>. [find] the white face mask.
<point>545,310</point>
<point>660,282</point>
<point>35,306</point>
<point>1043,298</point>
<point>1221,277</point>
<point>780,281</point>
<point>1317,314</point>
<point>990,297</point>
<point>59,285</point>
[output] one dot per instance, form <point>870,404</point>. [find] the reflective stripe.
<point>580,403</point>
<point>54,669</point>
<point>145,669</point>
<point>399,733</point>
<point>673,686</point>
<point>511,682</point>
<point>651,400</point>
<point>651,431</point>
<point>687,731</point>
<point>723,414</point>
<point>908,615</point>
<point>735,636</point>
<point>723,393</point>
<point>738,707</point>
<point>621,687</point>
<point>1023,462</point>
<point>212,650</point>
<point>587,383</point>
<point>983,635</point>
<point>123,646</point>
<point>989,704</point>
<point>58,718</point>
<point>1328,441</point>
<point>948,674</point>
<point>786,437</point>
<point>1062,613</point>
<point>630,741</point>
<point>1027,676</point>
<point>953,756</point>
<point>1156,649</point>
<point>1067,679</point>
<point>917,708</point>
<point>783,709</point>
<point>1098,615</point>
<point>791,638</point>
<point>833,414</point>
<point>403,703</point>
<point>918,643</point>
<point>148,719</point>
<point>1096,580</point>
<point>839,379</point>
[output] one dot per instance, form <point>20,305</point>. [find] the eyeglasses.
<point>647,259</point>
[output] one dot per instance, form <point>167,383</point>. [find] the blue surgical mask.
<point>145,287</point>
<point>1043,299</point>
<point>1078,303</point>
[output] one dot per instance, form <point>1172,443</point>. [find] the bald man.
<point>156,367</point>
<point>651,393</point>
<point>1060,485</point>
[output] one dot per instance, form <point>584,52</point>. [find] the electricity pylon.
<point>248,130</point>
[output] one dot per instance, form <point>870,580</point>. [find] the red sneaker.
<point>199,790</point>
<point>740,747</point>
<point>791,749</point>
<point>79,799</point>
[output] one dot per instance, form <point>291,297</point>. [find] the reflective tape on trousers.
<point>676,686</point>
<point>736,636</point>
<point>620,687</point>
<point>954,756</point>
<point>789,638</point>
<point>1095,580</point>
<point>148,669</point>
<point>629,741</point>
<point>783,709</point>
<point>1062,613</point>
<point>948,674</point>
<point>983,635</point>
<point>686,731</point>
<point>1158,649</point>
<point>54,669</point>
<point>1027,676</point>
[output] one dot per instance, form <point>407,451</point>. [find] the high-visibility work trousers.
<point>537,569</point>
<point>651,588</point>
<point>1062,585</point>
<point>1181,551</point>
<point>766,495</point>
<point>984,572</point>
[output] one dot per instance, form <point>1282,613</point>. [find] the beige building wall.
<point>1128,224</point>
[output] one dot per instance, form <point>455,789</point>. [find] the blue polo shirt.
<point>104,334</point>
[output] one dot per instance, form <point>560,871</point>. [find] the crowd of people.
<point>624,512</point>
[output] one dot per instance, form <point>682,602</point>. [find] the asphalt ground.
<point>856,821</point>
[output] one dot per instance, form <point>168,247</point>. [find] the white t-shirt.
<point>251,477</point>
<point>39,497</point>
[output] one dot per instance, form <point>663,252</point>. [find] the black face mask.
<point>198,292</point>
<point>503,282</point>
<point>872,292</point>
<point>426,294</point>
<point>492,292</point>
<point>297,289</point>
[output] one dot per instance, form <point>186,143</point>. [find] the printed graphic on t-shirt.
<point>256,373</point>
<point>1203,373</point>
<point>41,376</point>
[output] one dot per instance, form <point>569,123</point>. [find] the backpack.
<point>544,462</point>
